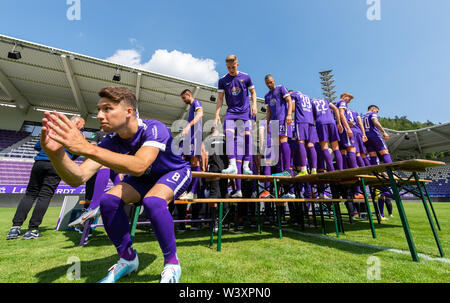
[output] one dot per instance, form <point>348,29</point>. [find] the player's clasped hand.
<point>66,133</point>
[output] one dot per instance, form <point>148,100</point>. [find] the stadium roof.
<point>417,143</point>
<point>51,78</point>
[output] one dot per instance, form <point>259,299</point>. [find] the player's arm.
<point>254,101</point>
<point>198,116</point>
<point>380,128</point>
<point>337,115</point>
<point>345,122</point>
<point>361,127</point>
<point>66,168</point>
<point>261,136</point>
<point>289,113</point>
<point>268,114</point>
<point>64,132</point>
<point>218,107</point>
<point>205,158</point>
<point>132,165</point>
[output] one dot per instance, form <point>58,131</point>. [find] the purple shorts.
<point>286,130</point>
<point>177,180</point>
<point>345,141</point>
<point>359,144</point>
<point>307,132</point>
<point>327,132</point>
<point>375,144</point>
<point>233,124</point>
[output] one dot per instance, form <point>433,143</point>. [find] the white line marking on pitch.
<point>398,251</point>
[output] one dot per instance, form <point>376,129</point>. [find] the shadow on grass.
<point>201,238</point>
<point>95,270</point>
<point>187,239</point>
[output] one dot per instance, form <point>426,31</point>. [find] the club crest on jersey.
<point>235,91</point>
<point>273,101</point>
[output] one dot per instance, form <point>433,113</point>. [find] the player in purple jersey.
<point>235,86</point>
<point>328,130</point>
<point>375,133</point>
<point>356,125</point>
<point>279,108</point>
<point>141,149</point>
<point>306,131</point>
<point>347,141</point>
<point>193,134</point>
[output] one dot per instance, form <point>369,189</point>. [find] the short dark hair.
<point>370,106</point>
<point>268,76</point>
<point>118,94</point>
<point>185,91</point>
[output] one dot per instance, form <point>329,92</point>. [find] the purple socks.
<point>301,153</point>
<point>360,161</point>
<point>373,160</point>
<point>386,158</point>
<point>327,157</point>
<point>381,206</point>
<point>116,223</point>
<point>366,161</point>
<point>101,181</point>
<point>162,224</point>
<point>312,157</point>
<point>286,155</point>
<point>351,159</point>
<point>339,159</point>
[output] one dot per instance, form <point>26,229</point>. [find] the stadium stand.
<point>440,187</point>
<point>9,138</point>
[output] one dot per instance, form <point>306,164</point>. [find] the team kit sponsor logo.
<point>235,90</point>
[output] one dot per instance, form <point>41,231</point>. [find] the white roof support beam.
<point>396,144</point>
<point>81,104</point>
<point>138,86</point>
<point>418,144</point>
<point>138,89</point>
<point>442,135</point>
<point>186,111</point>
<point>12,92</point>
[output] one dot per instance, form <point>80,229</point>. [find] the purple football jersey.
<point>369,126</point>
<point>342,104</point>
<point>352,116</point>
<point>236,90</point>
<point>197,129</point>
<point>149,133</point>
<point>322,112</point>
<point>303,108</point>
<point>277,104</point>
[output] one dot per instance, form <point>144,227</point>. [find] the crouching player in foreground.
<point>141,149</point>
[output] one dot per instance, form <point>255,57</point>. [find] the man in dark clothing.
<point>41,187</point>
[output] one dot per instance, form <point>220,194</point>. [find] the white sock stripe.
<point>182,183</point>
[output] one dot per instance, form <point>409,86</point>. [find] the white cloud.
<point>174,63</point>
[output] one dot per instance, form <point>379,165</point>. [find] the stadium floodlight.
<point>406,137</point>
<point>14,54</point>
<point>8,105</point>
<point>263,109</point>
<point>325,72</point>
<point>39,109</point>
<point>116,76</point>
<point>212,98</point>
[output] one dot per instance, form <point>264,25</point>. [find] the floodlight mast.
<point>327,80</point>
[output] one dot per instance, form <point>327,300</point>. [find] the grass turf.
<point>245,257</point>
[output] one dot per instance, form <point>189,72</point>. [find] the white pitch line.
<point>397,251</point>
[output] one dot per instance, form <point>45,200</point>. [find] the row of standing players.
<point>356,141</point>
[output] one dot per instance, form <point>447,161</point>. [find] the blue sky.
<point>400,62</point>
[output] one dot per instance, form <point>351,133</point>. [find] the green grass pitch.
<point>299,257</point>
